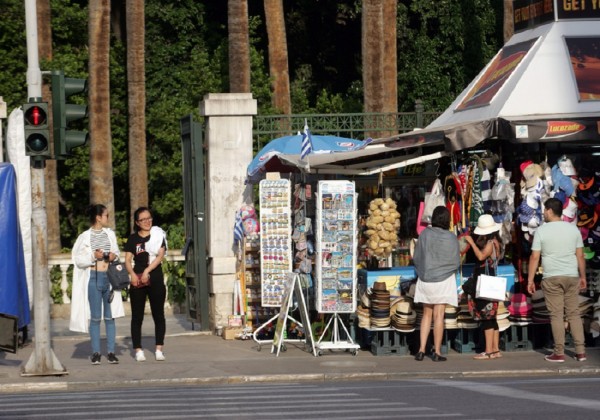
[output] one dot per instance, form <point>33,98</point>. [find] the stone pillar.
<point>229,151</point>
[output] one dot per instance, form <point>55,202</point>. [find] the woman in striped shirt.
<point>92,298</point>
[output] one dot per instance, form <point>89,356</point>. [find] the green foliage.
<point>13,88</point>
<point>176,281</point>
<point>55,284</point>
<point>441,47</point>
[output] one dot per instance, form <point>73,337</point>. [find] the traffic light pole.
<point>43,361</point>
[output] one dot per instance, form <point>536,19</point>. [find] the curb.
<point>317,377</point>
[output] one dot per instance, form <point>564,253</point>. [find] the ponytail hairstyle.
<point>95,210</point>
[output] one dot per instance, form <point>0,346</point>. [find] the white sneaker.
<point>139,356</point>
<point>160,357</point>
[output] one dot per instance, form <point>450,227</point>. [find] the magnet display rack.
<point>275,245</point>
<point>336,259</point>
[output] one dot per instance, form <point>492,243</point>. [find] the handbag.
<point>118,275</point>
<point>434,199</point>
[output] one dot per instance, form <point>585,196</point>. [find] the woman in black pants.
<point>146,248</point>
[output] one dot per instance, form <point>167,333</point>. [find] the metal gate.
<point>196,273</point>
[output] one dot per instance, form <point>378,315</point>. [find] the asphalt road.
<point>547,398</point>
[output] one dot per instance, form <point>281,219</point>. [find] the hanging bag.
<point>433,200</point>
<point>118,275</point>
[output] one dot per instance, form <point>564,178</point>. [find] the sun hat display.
<point>486,225</point>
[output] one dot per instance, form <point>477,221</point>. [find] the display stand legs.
<point>335,343</point>
<point>271,321</point>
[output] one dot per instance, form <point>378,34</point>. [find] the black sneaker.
<point>112,358</point>
<point>96,358</point>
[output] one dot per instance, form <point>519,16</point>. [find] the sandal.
<point>495,354</point>
<point>483,356</point>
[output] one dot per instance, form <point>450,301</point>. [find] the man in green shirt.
<point>560,247</point>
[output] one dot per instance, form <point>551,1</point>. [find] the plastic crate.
<point>516,338</point>
<point>465,340</point>
<point>389,342</point>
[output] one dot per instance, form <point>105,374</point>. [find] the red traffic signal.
<point>37,134</point>
<point>35,116</point>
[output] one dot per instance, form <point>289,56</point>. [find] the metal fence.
<point>354,126</point>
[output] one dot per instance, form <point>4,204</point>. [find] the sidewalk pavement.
<point>194,357</point>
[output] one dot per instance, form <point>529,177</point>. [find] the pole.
<point>2,117</point>
<point>43,361</point>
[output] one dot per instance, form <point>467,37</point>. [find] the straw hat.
<point>486,225</point>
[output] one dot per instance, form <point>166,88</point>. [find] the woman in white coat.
<point>92,297</point>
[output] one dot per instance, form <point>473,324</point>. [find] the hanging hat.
<point>531,175</point>
<point>525,165</point>
<point>566,166</point>
<point>570,208</point>
<point>586,179</point>
<point>584,232</point>
<point>587,217</point>
<point>588,253</point>
<point>486,225</point>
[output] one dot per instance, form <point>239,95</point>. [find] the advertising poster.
<point>497,73</point>
<point>585,61</point>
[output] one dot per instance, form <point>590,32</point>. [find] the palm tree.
<point>278,55</point>
<point>136,88</point>
<point>101,178</point>
<point>509,27</point>
<point>239,46</point>
<point>390,61</point>
<point>379,59</point>
<point>44,28</point>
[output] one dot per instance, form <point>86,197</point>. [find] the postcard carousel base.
<point>336,343</point>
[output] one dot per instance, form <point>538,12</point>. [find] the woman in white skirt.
<point>437,260</point>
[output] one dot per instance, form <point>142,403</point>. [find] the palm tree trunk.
<point>278,55</point>
<point>136,88</point>
<point>239,46</point>
<point>101,179</point>
<point>509,27</point>
<point>44,28</point>
<point>372,59</point>
<point>390,64</point>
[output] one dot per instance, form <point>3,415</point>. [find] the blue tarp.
<point>14,298</point>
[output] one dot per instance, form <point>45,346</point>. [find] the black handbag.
<point>469,286</point>
<point>118,275</point>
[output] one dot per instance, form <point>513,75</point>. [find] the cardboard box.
<point>235,321</point>
<point>231,333</point>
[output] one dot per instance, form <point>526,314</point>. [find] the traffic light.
<point>63,114</point>
<point>37,134</point>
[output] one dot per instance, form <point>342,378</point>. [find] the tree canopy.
<point>442,45</point>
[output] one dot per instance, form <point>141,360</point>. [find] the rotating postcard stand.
<point>336,261</point>
<point>275,251</point>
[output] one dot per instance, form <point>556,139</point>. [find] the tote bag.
<point>434,199</point>
<point>490,287</point>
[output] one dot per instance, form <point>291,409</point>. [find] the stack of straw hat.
<point>380,306</point>
<point>403,315</point>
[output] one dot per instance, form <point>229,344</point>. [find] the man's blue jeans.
<point>98,293</point>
